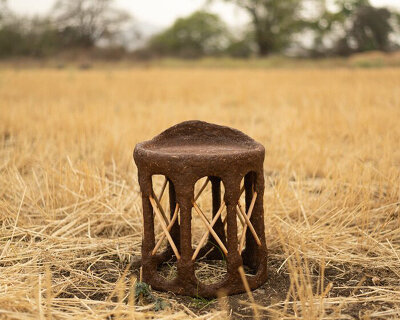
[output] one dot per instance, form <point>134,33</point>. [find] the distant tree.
<point>242,46</point>
<point>74,24</point>
<point>352,26</point>
<point>43,39</point>
<point>89,21</point>
<point>370,29</point>
<point>4,11</point>
<point>2,7</point>
<point>331,25</point>
<point>275,22</point>
<point>28,37</point>
<point>199,34</point>
<point>395,22</point>
<point>12,39</point>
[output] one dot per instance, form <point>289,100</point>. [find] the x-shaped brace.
<point>161,216</point>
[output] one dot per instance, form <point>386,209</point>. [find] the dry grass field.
<point>70,208</point>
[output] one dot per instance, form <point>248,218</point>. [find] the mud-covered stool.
<point>184,154</point>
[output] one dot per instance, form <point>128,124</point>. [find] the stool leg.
<point>233,259</point>
<point>232,233</point>
<point>186,278</point>
<point>149,264</point>
<point>253,253</point>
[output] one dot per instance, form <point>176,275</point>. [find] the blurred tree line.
<point>313,28</point>
<point>78,24</point>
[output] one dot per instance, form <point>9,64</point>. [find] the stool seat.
<point>193,144</point>
<point>198,150</point>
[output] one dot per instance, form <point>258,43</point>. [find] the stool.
<point>184,154</point>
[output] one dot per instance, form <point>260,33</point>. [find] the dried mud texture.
<point>184,154</point>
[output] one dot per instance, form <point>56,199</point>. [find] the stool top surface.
<point>198,138</point>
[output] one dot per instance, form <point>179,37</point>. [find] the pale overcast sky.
<point>161,12</point>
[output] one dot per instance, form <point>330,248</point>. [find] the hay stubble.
<point>70,205</point>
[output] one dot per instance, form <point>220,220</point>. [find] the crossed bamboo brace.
<point>166,225</point>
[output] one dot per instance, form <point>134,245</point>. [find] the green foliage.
<point>346,8</point>
<point>343,27</point>
<point>200,34</point>
<point>34,38</point>
<point>275,22</point>
<point>371,29</point>
<point>353,26</point>
<point>242,48</point>
<point>377,62</point>
<point>143,291</point>
<point>3,9</point>
<point>199,302</point>
<point>78,24</point>
<point>90,20</point>
<point>9,37</point>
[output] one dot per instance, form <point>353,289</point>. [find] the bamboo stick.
<point>169,227</point>
<point>240,216</point>
<point>161,208</point>
<point>162,189</point>
<point>204,238</point>
<point>175,215</point>
<point>249,224</point>
<point>164,227</point>
<point>205,220</point>
<point>201,189</point>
